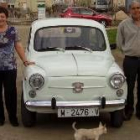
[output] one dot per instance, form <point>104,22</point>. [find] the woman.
<point>9,41</point>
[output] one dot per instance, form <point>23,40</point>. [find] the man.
<point>128,39</point>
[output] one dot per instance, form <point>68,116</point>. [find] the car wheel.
<point>28,118</point>
<point>117,118</point>
<point>103,22</point>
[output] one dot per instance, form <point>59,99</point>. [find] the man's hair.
<point>134,1</point>
<point>4,10</point>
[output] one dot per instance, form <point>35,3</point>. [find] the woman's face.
<point>135,10</point>
<point>3,19</point>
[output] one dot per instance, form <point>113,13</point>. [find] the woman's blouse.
<point>7,49</point>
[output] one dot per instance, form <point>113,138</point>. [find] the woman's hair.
<point>4,10</point>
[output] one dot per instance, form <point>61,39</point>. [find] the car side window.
<point>76,11</point>
<point>86,12</point>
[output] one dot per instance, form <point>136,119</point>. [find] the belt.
<point>133,57</point>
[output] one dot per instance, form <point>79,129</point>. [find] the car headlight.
<point>36,81</point>
<point>117,81</point>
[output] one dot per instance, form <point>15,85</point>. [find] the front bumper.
<point>53,104</point>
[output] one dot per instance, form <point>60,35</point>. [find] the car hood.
<point>75,64</point>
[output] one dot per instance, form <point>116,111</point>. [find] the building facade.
<point>32,4</point>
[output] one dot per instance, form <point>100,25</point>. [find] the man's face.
<point>3,19</point>
<point>135,10</point>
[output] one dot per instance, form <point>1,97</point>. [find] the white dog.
<point>89,134</point>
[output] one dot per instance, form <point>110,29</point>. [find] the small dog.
<point>89,134</point>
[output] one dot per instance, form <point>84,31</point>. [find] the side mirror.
<point>113,46</point>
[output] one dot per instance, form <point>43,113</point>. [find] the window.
<point>76,10</point>
<point>86,12</point>
<point>68,37</point>
<point>101,2</point>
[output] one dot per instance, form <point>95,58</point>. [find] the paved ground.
<point>51,128</point>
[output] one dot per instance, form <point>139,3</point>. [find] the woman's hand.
<point>21,53</point>
<point>27,63</point>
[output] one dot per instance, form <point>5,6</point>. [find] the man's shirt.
<point>128,38</point>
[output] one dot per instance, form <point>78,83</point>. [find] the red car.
<point>82,12</point>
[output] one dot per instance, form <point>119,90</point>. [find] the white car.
<point>75,74</point>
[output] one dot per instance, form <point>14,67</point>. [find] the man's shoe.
<point>138,115</point>
<point>127,117</point>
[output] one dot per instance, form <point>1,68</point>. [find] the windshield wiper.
<point>76,46</point>
<point>51,49</point>
<point>56,48</point>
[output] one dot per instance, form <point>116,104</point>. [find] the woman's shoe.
<point>1,123</point>
<point>14,122</point>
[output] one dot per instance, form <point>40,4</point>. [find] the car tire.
<point>117,118</point>
<point>28,118</point>
<point>103,22</point>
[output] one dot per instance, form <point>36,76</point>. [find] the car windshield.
<point>63,38</point>
<point>101,2</point>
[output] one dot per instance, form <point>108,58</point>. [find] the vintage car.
<point>74,75</point>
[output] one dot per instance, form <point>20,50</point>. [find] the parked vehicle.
<point>101,5</point>
<point>87,13</point>
<point>75,74</point>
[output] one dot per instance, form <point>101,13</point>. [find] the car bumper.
<point>58,104</point>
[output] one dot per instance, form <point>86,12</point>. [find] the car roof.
<point>78,7</point>
<point>41,23</point>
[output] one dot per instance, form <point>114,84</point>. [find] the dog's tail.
<point>73,126</point>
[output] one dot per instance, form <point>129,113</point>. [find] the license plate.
<point>78,112</point>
